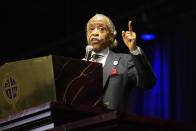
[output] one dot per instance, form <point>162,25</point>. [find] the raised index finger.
<point>130,27</point>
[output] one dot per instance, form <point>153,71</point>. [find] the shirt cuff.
<point>138,51</point>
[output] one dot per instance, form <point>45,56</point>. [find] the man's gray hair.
<point>111,28</point>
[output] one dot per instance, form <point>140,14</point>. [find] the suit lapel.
<point>109,65</point>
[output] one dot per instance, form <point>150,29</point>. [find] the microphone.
<point>89,49</point>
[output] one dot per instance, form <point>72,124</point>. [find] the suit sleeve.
<point>140,72</point>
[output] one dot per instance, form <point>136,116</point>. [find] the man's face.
<point>98,34</point>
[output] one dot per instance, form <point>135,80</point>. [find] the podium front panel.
<point>26,83</point>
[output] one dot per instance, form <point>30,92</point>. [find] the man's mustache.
<point>95,38</point>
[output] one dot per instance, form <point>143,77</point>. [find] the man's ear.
<point>111,36</point>
<point>111,39</point>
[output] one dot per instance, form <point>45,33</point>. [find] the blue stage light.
<point>148,36</point>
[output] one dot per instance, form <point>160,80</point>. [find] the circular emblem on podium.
<point>10,88</point>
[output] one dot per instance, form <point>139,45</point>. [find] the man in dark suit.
<point>121,72</point>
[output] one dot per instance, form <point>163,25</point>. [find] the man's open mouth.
<point>94,40</point>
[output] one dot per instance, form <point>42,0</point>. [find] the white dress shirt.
<point>103,53</point>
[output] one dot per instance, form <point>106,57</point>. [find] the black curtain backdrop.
<point>174,95</point>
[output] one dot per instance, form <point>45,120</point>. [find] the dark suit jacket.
<point>134,71</point>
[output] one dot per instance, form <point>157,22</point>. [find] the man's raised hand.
<point>129,38</point>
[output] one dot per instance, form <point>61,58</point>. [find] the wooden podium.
<point>28,83</point>
<point>59,93</point>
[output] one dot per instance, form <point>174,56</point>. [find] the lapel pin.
<point>115,62</point>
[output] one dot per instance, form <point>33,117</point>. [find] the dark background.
<point>34,27</point>
<point>37,28</point>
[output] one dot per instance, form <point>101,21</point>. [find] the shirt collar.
<point>103,52</point>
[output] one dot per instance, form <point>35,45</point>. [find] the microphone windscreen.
<point>89,48</point>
